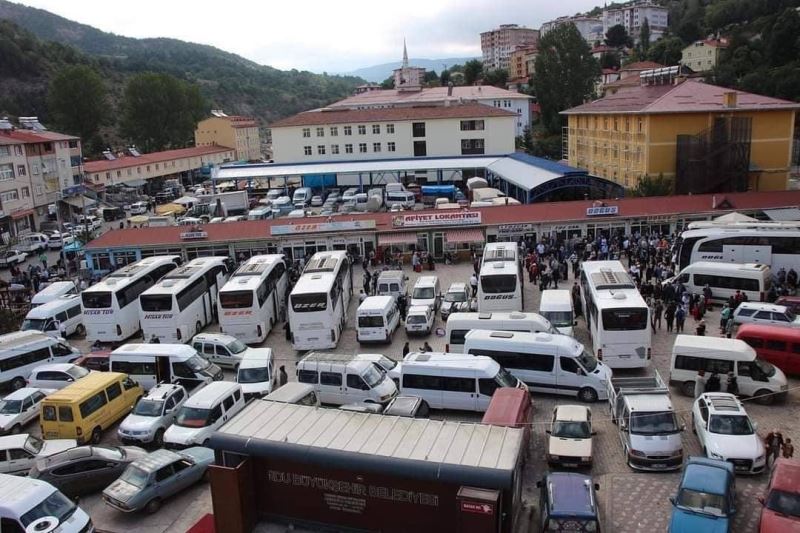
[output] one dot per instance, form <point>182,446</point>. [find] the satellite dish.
<point>46,524</point>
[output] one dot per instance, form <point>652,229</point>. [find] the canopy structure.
<point>788,214</point>
<point>79,202</point>
<point>735,217</point>
<point>172,208</point>
<point>387,239</point>
<point>469,235</point>
<point>138,219</point>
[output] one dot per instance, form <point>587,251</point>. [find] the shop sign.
<point>193,235</point>
<point>452,218</point>
<point>602,210</point>
<point>319,227</point>
<point>515,229</point>
<point>475,507</point>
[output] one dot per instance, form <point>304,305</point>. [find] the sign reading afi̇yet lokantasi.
<point>445,218</point>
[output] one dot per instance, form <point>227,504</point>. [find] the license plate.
<point>571,465</point>
<point>659,465</point>
<point>742,469</point>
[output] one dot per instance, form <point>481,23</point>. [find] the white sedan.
<point>19,408</point>
<point>12,257</point>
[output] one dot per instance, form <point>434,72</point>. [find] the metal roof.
<point>783,215</point>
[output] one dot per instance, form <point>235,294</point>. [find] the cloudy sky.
<point>317,35</point>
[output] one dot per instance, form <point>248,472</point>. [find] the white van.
<point>28,504</point>
<point>754,376</point>
<point>302,197</point>
<point>282,206</point>
<point>427,291</point>
<point>360,201</point>
<point>556,306</point>
<point>22,351</point>
<point>256,373</point>
<point>458,324</point>
<point>32,243</point>
<point>392,283</point>
<point>419,320</point>
<point>340,379</point>
<point>150,364</point>
<point>724,279</point>
<point>204,413</point>
<point>53,291</point>
<point>452,381</point>
<point>405,199</point>
<point>58,318</point>
<point>376,319</point>
<point>138,208</point>
<point>555,364</point>
<point>294,392</point>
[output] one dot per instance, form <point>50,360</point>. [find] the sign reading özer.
<point>445,218</point>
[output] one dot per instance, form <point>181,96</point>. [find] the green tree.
<point>160,111</point>
<point>388,83</point>
<point>565,73</point>
<point>496,76</point>
<point>689,31</point>
<point>783,42</point>
<point>617,36</point>
<point>76,100</point>
<point>444,78</point>
<point>609,60</point>
<point>644,36</point>
<point>431,78</point>
<point>666,51</point>
<point>653,186</point>
<point>472,71</point>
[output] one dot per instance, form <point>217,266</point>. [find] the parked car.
<point>767,314</point>
<point>85,469</point>
<point>457,299</point>
<point>419,319</point>
<point>334,195</point>
<point>18,452</point>
<point>98,361</point>
<point>706,498</point>
<point>19,408</point>
<point>148,481</point>
<point>224,350</point>
<point>10,258</point>
<point>56,376</point>
<point>792,302</point>
<point>726,432</point>
<point>570,436</point>
<point>781,505</point>
<point>56,240</point>
<point>316,201</point>
<point>349,194</point>
<point>568,502</point>
<point>152,415</point>
<point>138,208</point>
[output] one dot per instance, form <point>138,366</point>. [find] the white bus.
<point>319,301</point>
<point>773,244</point>
<point>184,301</point>
<point>111,307</point>
<point>617,316</point>
<point>251,303</point>
<point>500,280</point>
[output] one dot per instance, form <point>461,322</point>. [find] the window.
<point>390,147</point>
<point>6,172</point>
<point>376,147</point>
<point>568,365</point>
<point>418,129</point>
<point>458,384</point>
<point>354,381</point>
<point>9,196</point>
<point>390,128</point>
<point>65,413</point>
<point>26,192</point>
<point>228,403</point>
<point>320,132</point>
<point>420,149</point>
<point>306,132</point>
<point>307,150</point>
<point>321,149</point>
<point>348,130</point>
<point>348,148</point>
<point>113,391</point>
<point>307,376</point>
<point>334,131</point>
<point>417,381</point>
<point>93,404</point>
<point>164,473</point>
<point>776,345</point>
<point>718,366</point>
<point>21,170</point>
<point>376,129</point>
<point>472,125</point>
<point>362,148</point>
<point>472,146</point>
<point>362,130</point>
<point>332,379</point>
<point>334,149</point>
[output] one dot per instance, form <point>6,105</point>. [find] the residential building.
<point>135,170</point>
<point>16,198</point>
<point>590,28</point>
<point>705,138</point>
<point>238,132</point>
<point>387,133</point>
<point>498,44</point>
<point>520,63</point>
<point>627,76</point>
<point>632,16</point>
<point>702,56</point>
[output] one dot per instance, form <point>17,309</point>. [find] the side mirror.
<point>548,431</point>
<point>761,500</point>
<point>594,433</point>
<point>672,500</point>
<point>597,486</point>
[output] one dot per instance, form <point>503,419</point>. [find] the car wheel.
<point>764,397</point>
<point>80,330</point>
<point>688,389</point>
<point>587,395</point>
<point>158,439</point>
<point>17,383</point>
<point>153,505</point>
<point>16,429</point>
<point>96,435</point>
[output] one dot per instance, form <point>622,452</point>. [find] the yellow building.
<point>702,56</point>
<point>729,140</point>
<point>518,66</point>
<point>238,132</point>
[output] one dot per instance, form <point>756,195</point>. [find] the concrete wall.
<point>145,170</point>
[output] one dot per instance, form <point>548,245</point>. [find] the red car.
<point>792,302</point>
<point>781,506</point>
<point>98,361</point>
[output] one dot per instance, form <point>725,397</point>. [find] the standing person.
<point>669,316</point>
<point>788,448</point>
<point>43,259</point>
<point>473,282</point>
<point>729,327</point>
<point>699,383</point>
<point>724,315</point>
<point>659,310</point>
<point>406,349</point>
<point>402,307</point>
<point>773,442</point>
<point>426,347</point>
<point>283,378</point>
<point>680,318</point>
<point>732,386</point>
<point>288,331</point>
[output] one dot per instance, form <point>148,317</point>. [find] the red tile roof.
<point>30,136</point>
<point>104,165</point>
<point>688,97</point>
<point>698,204</point>
<point>642,65</point>
<point>339,115</point>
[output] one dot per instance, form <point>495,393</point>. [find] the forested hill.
<point>227,80</point>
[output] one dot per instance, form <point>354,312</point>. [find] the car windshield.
<point>372,376</point>
<point>197,363</point>
<point>559,319</point>
<point>387,363</point>
<point>135,476</point>
<point>766,368</point>
<point>571,429</point>
<point>503,378</point>
<point>10,407</point>
<point>587,361</point>
<point>653,423</point>
<point>33,444</point>
<point>147,407</point>
<point>236,346</point>
<point>56,505</point>
<point>456,296</point>
<point>424,293</point>
<point>783,502</point>
<point>702,502</point>
<point>730,425</point>
<point>192,417</point>
<point>416,319</point>
<point>77,372</point>
<point>35,324</point>
<point>253,375</point>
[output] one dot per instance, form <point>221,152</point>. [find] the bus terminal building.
<point>435,231</point>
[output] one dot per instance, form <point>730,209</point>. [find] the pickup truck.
<point>648,428</point>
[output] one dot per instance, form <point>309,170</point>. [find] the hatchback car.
<point>706,498</point>
<point>766,314</point>
<point>568,502</point>
<point>419,320</point>
<point>19,408</point>
<point>19,452</point>
<point>56,376</point>
<point>85,469</point>
<point>781,505</point>
<point>316,201</point>
<point>148,481</point>
<point>152,415</point>
<point>570,436</point>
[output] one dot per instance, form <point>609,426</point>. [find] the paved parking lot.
<point>630,501</point>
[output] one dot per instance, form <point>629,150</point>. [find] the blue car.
<point>568,503</point>
<point>706,499</point>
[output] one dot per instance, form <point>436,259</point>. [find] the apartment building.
<point>521,63</point>
<point>387,133</point>
<point>632,16</point>
<point>498,44</point>
<point>590,28</point>
<point>703,56</point>
<point>16,200</point>
<point>235,131</point>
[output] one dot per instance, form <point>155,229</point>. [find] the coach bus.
<point>500,279</point>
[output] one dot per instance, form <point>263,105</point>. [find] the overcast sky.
<point>318,35</point>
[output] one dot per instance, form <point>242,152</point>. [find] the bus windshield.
<point>156,302</point>
<point>634,318</point>
<point>309,303</point>
<point>96,299</point>
<point>499,283</point>
<point>236,299</point>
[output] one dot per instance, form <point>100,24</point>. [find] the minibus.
<point>203,413</point>
<point>58,318</point>
<point>556,306</point>
<point>150,364</point>
<point>458,324</point>
<point>53,291</point>
<point>776,344</point>
<point>376,319</point>
<point>302,197</point>
<point>22,351</point>
<point>405,199</point>
<point>726,279</point>
<point>427,291</point>
<point>295,393</point>
<point>32,243</point>
<point>28,504</point>
<point>392,283</point>
<point>84,409</point>
<point>345,378</point>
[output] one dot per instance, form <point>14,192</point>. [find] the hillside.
<point>378,73</point>
<point>227,80</point>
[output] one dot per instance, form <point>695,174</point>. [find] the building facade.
<point>520,63</point>
<point>632,16</point>
<point>234,131</point>
<point>498,44</point>
<point>16,195</point>
<point>590,28</point>
<point>702,56</point>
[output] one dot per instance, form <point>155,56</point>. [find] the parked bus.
<point>251,302</point>
<point>500,280</point>
<point>616,315</point>
<point>111,307</point>
<point>319,301</point>
<point>184,301</point>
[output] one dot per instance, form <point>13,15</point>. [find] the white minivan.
<point>53,291</point>
<point>256,373</point>
<point>459,324</point>
<point>427,291</point>
<point>58,318</point>
<point>556,306</point>
<point>548,363</point>
<point>28,504</point>
<point>392,283</point>
<point>755,377</point>
<point>204,413</point>
<point>726,279</point>
<point>302,197</point>
<point>377,318</point>
<point>32,243</point>
<point>340,379</point>
<point>150,364</point>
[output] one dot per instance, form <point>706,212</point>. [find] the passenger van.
<point>555,364</point>
<point>294,392</point>
<point>203,414</point>
<point>776,344</point>
<point>340,379</point>
<point>724,279</point>
<point>25,501</point>
<point>58,318</point>
<point>256,373</point>
<point>82,410</point>
<point>448,382</point>
<point>405,199</point>
<point>32,243</point>
<point>150,364</point>
<point>376,319</point>
<point>302,197</point>
<point>556,306</point>
<point>427,291</point>
<point>755,376</point>
<point>458,324</point>
<point>53,291</point>
<point>392,283</point>
<point>282,206</point>
<point>22,351</point>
